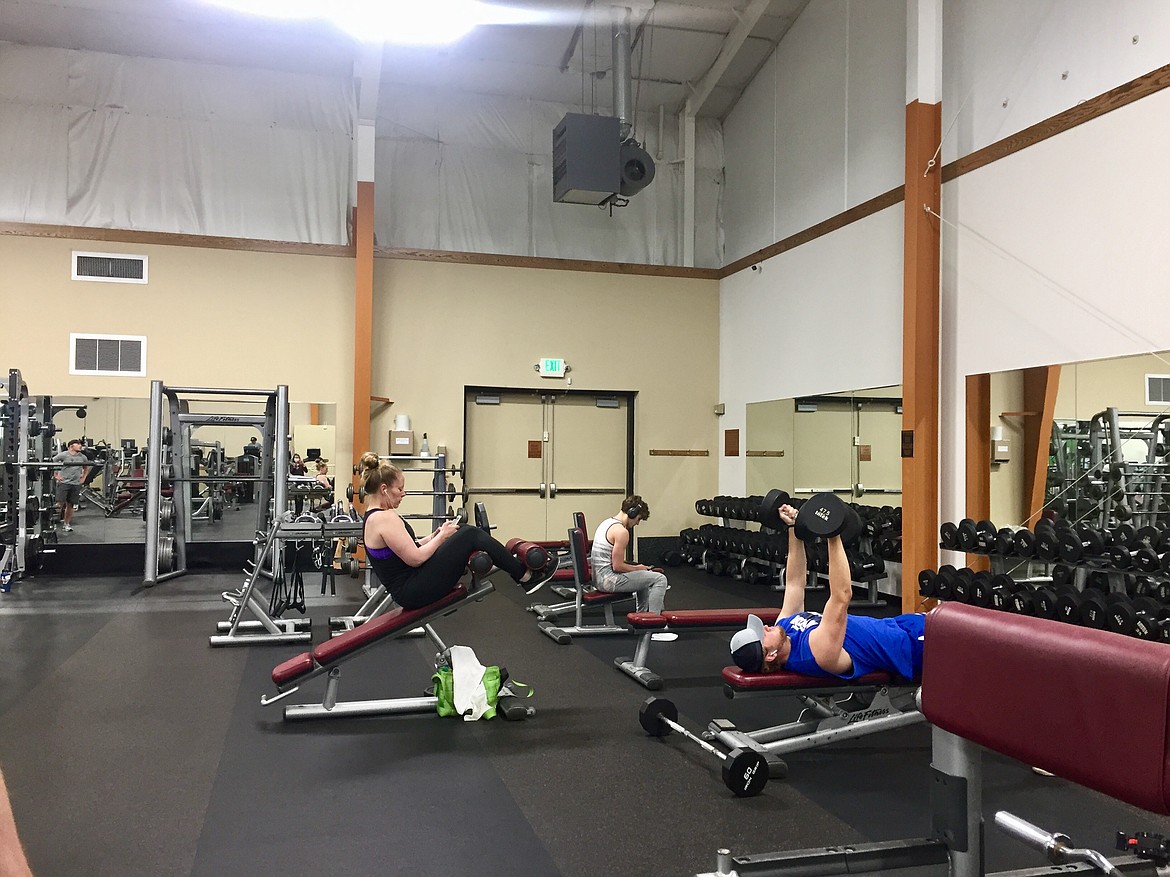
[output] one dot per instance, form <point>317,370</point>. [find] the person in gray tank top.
<point>611,573</point>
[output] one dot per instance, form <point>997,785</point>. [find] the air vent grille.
<point>107,355</point>
<point>110,267</point>
<point>1158,389</point>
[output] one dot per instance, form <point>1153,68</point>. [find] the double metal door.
<point>534,458</point>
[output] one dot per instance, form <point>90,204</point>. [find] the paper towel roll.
<point>402,422</point>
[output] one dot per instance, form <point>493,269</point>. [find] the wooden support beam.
<point>1040,386</point>
<point>920,349</point>
<point>978,467</point>
<point>363,318</point>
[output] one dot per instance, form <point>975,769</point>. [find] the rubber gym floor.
<point>133,748</point>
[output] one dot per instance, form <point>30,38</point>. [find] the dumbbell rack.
<point>436,466</point>
<point>725,509</point>
<point>750,568</point>
<point>1103,584</point>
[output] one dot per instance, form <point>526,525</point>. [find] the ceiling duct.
<point>596,159</point>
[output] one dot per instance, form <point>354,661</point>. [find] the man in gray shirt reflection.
<point>69,478</point>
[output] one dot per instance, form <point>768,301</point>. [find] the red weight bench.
<point>834,710</point>
<point>1090,706</point>
<point>586,596</point>
<point>679,621</point>
<point>563,580</point>
<point>327,658</point>
<point>1087,705</point>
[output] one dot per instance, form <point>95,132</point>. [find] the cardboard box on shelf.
<point>401,441</point>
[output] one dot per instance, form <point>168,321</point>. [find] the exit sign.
<point>552,368</point>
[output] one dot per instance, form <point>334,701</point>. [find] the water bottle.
<point>5,581</point>
<point>425,450</point>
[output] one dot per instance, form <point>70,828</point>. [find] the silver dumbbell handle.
<point>1055,847</point>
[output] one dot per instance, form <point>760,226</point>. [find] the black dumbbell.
<point>1096,606</point>
<point>1077,544</point>
<point>926,583</point>
<point>1047,542</point>
<point>1024,542</point>
<point>1068,604</point>
<point>944,582</point>
<point>948,536</point>
<point>979,593</point>
<point>1023,600</point>
<point>1003,587</point>
<point>1147,546</point>
<point>825,515</point>
<point>1005,542</point>
<point>768,510</point>
<point>863,566</point>
<point>1044,599</point>
<point>976,537</point>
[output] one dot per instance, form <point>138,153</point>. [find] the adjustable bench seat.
<point>736,681</point>
<point>676,621</point>
<point>328,657</point>
<point>1087,705</point>
<point>585,595</point>
<point>342,646</point>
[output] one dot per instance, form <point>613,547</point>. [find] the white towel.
<point>467,674</point>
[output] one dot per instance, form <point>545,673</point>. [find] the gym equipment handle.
<point>1056,847</point>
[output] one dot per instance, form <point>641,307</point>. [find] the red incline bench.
<point>327,658</point>
<point>585,597</point>
<point>1090,706</point>
<point>679,621</point>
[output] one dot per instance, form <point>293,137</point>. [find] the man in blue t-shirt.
<point>832,643</point>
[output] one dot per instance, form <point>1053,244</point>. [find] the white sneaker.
<point>664,637</point>
<point>1039,771</point>
<point>68,529</point>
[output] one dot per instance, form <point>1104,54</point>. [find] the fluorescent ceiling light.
<point>419,22</point>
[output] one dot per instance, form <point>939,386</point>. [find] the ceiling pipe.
<point>623,93</point>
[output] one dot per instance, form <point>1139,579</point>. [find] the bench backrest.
<point>580,555</point>
<point>1090,706</point>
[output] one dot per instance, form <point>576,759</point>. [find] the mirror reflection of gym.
<point>1099,456</point>
<point>845,443</point>
<point>114,431</point>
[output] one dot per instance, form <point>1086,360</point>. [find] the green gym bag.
<point>445,690</point>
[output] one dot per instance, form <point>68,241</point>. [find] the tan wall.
<point>212,318</point>
<point>440,327</point>
<point>769,428</point>
<point>1008,503</point>
<point>819,450</point>
<point>1087,388</point>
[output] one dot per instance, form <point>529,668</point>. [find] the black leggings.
<point>438,575</point>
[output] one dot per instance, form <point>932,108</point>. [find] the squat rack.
<point>166,556</point>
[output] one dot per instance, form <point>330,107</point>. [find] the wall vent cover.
<point>1158,389</point>
<point>109,267</point>
<point>107,355</point>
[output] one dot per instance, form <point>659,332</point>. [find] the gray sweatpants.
<point>649,586</point>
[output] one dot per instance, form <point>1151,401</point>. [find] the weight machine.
<point>170,460</point>
<point>27,501</point>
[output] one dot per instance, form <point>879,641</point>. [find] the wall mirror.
<point>846,443</point>
<point>1088,440</point>
<point>111,508</point>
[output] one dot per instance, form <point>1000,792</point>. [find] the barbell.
<point>745,771</point>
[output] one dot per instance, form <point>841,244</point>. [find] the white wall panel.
<point>173,146</point>
<point>997,51</point>
<point>749,140</point>
<point>875,130</point>
<point>824,317</point>
<point>835,131</point>
<point>810,119</point>
<point>1057,256</point>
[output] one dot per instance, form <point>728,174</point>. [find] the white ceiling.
<point>675,44</point>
